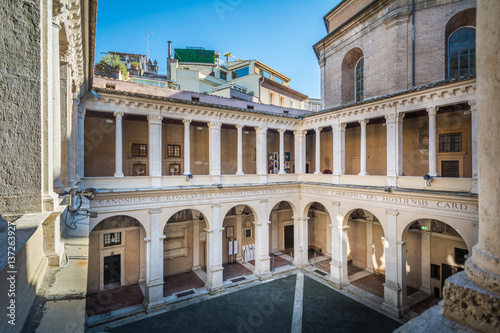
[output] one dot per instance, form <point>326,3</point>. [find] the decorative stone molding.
<point>155,118</point>
<point>432,110</point>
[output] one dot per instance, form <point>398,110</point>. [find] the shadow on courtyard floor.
<point>268,307</point>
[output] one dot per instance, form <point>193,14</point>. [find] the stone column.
<point>214,150</point>
<point>394,126</point>
<point>328,228</point>
<point>282,150</point>
<point>74,142</point>
<point>214,282</point>
<point>274,231</point>
<point>187,146</point>
<point>322,63</point>
<point>239,256</point>
<point>338,265</point>
<point>369,247</point>
<point>262,259</point>
<point>155,149</point>
<point>196,245</point>
<point>432,142</point>
<point>476,304</point>
<point>338,135</point>
<point>395,269</point>
<point>300,241</point>
<point>239,170</point>
<point>300,158</point>
<point>153,299</point>
<point>261,160</point>
<point>425,243</point>
<point>81,141</point>
<point>362,157</point>
<point>317,154</point>
<point>474,128</point>
<point>71,141</point>
<point>56,107</point>
<point>118,144</point>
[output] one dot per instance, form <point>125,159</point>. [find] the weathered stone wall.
<point>20,107</point>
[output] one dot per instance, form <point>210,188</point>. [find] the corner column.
<point>300,241</point>
<point>56,106</point>
<point>118,144</point>
<point>338,151</point>
<point>155,149</point>
<point>394,126</point>
<point>338,265</point>
<point>362,156</point>
<point>317,154</point>
<point>214,150</point>
<point>395,269</point>
<point>187,146</point>
<point>261,158</point>
<point>239,169</point>
<point>153,298</point>
<point>214,282</point>
<point>282,151</point>
<point>262,259</point>
<point>432,142</point>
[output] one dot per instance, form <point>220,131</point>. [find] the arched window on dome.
<point>359,76</point>
<point>462,53</point>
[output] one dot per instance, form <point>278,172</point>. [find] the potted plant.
<point>136,65</point>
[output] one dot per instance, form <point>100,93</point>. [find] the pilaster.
<point>187,146</point>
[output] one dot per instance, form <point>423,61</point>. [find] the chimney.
<point>169,60</point>
<point>169,49</point>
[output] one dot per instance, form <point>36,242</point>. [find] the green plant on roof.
<point>108,64</point>
<point>136,64</point>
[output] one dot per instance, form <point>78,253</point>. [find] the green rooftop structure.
<point>195,55</point>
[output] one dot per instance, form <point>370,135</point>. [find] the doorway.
<point>112,269</point>
<point>288,236</point>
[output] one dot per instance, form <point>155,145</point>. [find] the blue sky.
<point>280,33</point>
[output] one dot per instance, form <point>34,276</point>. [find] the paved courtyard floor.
<point>296,302</point>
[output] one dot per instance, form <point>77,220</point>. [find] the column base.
<point>282,173</point>
<point>50,202</point>
<point>215,290</point>
<point>318,172</point>
<point>338,275</point>
<point>240,173</point>
<point>394,311</point>
<point>263,275</point>
<point>153,300</point>
<point>119,174</point>
<point>468,304</point>
<point>394,302</point>
<point>363,174</point>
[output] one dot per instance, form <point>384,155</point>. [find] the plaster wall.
<point>376,150</point>
<point>317,227</point>
<point>414,259</point>
<point>21,107</point>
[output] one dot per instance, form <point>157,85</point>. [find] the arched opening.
<point>460,37</point>
<point>238,243</point>
<point>435,251</point>
<point>352,65</point>
<point>116,265</point>
<point>281,236</point>
<point>365,252</point>
<point>184,253</point>
<point>319,237</point>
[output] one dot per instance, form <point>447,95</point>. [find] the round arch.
<point>347,81</point>
<point>252,205</point>
<point>205,210</point>
<point>273,202</point>
<point>379,213</point>
<point>137,215</point>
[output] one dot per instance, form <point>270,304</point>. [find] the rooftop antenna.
<point>147,39</point>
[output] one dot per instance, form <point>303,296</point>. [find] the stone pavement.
<point>269,307</point>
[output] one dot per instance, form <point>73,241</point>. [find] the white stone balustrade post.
<point>432,142</point>
<point>239,169</point>
<point>118,144</point>
<point>317,156</point>
<point>362,157</point>
<point>187,146</point>
<point>282,151</point>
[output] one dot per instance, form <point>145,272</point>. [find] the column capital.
<point>363,122</point>
<point>147,240</point>
<point>432,110</point>
<point>472,104</point>
<point>81,112</point>
<point>318,129</point>
<point>392,212</point>
<point>118,114</point>
<point>394,117</point>
<point>155,211</point>
<point>336,203</point>
<point>299,133</point>
<point>261,130</point>
<point>214,125</point>
<point>239,126</point>
<point>155,118</point>
<point>216,205</point>
<point>338,127</point>
<point>281,130</point>
<point>186,122</point>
